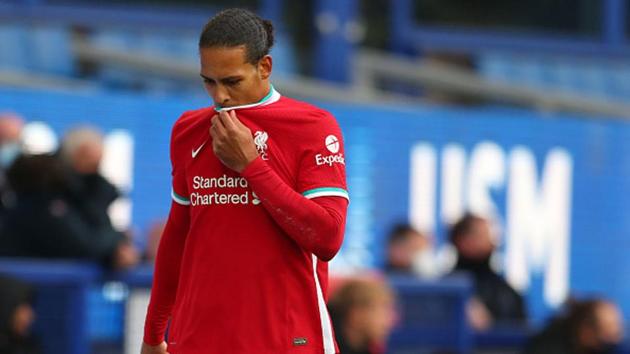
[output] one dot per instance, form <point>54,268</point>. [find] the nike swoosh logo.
<point>195,152</point>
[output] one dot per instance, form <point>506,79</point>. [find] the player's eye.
<point>232,82</point>
<point>208,81</point>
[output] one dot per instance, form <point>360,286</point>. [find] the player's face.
<point>230,80</point>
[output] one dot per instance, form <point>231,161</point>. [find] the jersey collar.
<point>271,97</point>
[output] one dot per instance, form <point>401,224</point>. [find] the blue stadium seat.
<point>50,50</point>
<point>14,52</point>
<point>432,315</point>
<point>106,310</point>
<point>284,62</point>
<point>591,76</point>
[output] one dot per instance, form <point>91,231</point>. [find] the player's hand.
<point>154,349</point>
<point>232,141</point>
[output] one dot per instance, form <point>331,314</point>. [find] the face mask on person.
<point>424,264</point>
<point>8,153</point>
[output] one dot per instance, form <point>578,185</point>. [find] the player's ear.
<point>264,67</point>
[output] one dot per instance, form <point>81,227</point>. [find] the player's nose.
<point>220,97</point>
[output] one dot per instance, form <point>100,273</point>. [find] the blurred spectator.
<point>10,137</point>
<point>10,146</point>
<point>496,301</point>
<point>363,315</point>
<point>50,221</point>
<point>153,240</point>
<point>16,318</point>
<point>410,252</point>
<point>587,327</point>
<point>82,151</point>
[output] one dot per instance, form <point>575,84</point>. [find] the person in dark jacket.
<point>16,318</point>
<point>81,151</point>
<point>592,326</point>
<point>496,302</point>
<point>48,221</point>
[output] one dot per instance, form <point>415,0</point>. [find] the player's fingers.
<point>238,123</point>
<point>227,121</point>
<point>234,118</point>
<point>218,126</point>
<point>213,129</point>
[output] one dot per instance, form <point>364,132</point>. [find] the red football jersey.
<point>244,285</point>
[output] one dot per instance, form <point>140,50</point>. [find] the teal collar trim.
<point>270,98</point>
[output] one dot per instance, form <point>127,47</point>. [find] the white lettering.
<point>486,172</point>
<point>537,211</point>
<point>329,160</point>
<point>224,181</point>
<point>538,222</point>
<point>197,182</point>
<point>199,199</point>
<point>452,193</point>
<point>422,187</point>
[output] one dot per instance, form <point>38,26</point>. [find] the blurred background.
<point>488,161</point>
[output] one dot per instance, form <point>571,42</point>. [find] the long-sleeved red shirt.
<point>241,267</point>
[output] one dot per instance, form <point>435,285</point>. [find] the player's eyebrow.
<point>223,79</point>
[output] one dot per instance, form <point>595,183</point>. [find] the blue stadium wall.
<point>566,232</point>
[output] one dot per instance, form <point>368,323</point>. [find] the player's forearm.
<point>316,225</point>
<point>166,275</point>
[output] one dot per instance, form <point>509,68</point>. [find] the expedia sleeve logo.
<point>333,145</point>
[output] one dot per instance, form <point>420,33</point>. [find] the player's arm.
<point>317,225</point>
<point>168,260</point>
<point>166,275</point>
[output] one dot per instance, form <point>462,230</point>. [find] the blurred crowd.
<point>52,206</point>
<point>364,308</point>
<point>365,313</point>
<point>55,206</point>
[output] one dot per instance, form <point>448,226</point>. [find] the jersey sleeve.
<point>322,167</point>
<point>179,188</point>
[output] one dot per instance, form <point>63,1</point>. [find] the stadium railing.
<point>411,36</point>
<point>64,290</point>
<point>432,312</point>
<point>60,301</point>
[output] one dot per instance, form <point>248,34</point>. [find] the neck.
<point>265,90</point>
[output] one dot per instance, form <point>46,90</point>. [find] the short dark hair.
<point>582,313</point>
<point>235,27</point>
<point>400,232</point>
<point>463,226</point>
